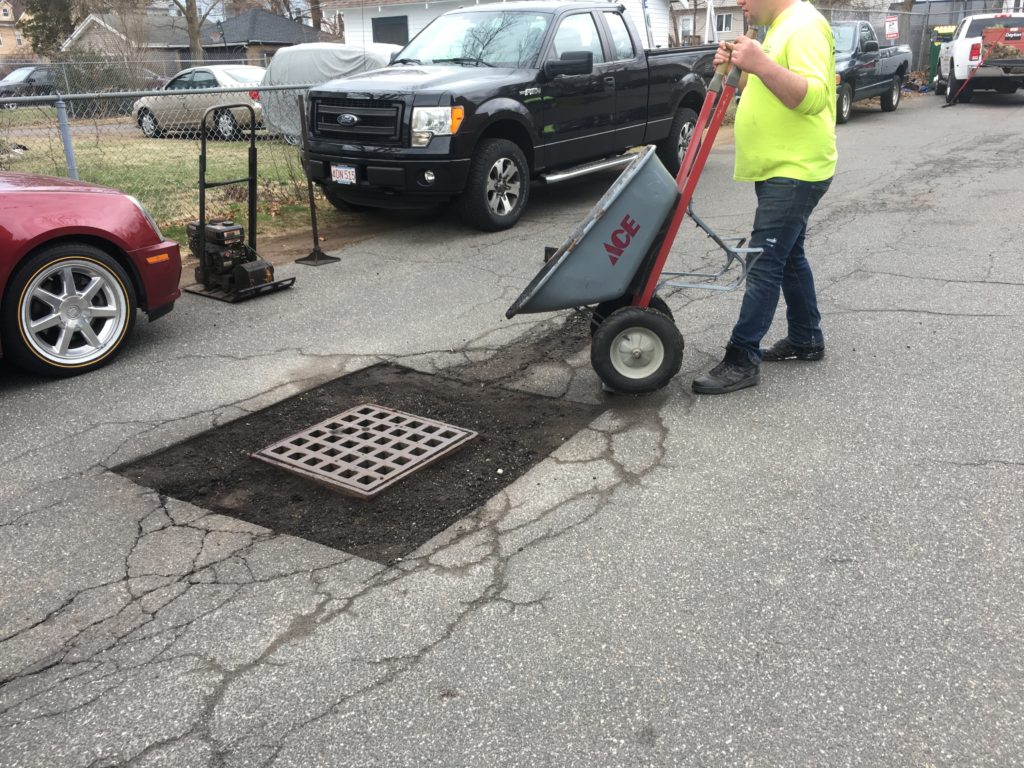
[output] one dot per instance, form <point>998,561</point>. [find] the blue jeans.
<point>783,207</point>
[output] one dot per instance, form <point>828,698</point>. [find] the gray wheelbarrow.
<point>613,261</point>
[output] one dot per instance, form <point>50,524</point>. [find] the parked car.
<point>76,262</point>
<point>963,54</point>
<point>34,80</point>
<point>864,69</point>
<point>184,100</point>
<point>488,98</point>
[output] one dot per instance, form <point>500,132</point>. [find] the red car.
<point>76,261</point>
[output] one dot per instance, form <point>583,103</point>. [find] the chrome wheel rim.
<point>148,123</point>
<point>896,92</point>
<point>684,139</point>
<point>504,187</point>
<point>846,102</point>
<point>637,352</point>
<point>73,312</point>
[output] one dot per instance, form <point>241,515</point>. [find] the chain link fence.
<point>147,143</point>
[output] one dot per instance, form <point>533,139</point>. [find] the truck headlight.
<point>428,122</point>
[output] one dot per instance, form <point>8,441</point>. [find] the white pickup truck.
<point>959,57</point>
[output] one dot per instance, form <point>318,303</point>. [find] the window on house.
<point>5,12</point>
<point>723,22</point>
<point>391,29</point>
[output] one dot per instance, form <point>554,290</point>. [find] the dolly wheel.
<point>605,308</point>
<point>637,350</point>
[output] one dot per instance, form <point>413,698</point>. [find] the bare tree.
<point>194,24</point>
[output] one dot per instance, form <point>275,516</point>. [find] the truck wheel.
<point>339,203</point>
<point>672,148</point>
<point>845,103</point>
<point>940,88</point>
<point>636,350</point>
<point>603,310</point>
<point>891,98</point>
<point>498,186</point>
<point>68,310</point>
<point>953,88</point>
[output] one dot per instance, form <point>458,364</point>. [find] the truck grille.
<point>361,121</point>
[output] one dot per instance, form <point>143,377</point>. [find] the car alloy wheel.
<point>73,312</point>
<point>685,134</point>
<point>504,186</point>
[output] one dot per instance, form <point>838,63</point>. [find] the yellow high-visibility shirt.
<point>773,140</point>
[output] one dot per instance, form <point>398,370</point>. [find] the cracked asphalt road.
<point>822,570</point>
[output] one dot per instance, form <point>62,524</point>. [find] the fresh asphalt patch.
<point>215,470</point>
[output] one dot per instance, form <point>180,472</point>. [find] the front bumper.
<point>391,182</point>
<point>159,270</point>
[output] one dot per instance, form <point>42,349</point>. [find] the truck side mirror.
<point>870,47</point>
<point>571,63</point>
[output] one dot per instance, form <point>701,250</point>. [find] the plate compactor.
<point>229,268</point>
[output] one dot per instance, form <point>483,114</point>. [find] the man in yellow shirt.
<point>786,145</point>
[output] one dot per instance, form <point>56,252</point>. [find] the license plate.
<point>343,174</point>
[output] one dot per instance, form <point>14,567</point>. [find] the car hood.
<point>842,59</point>
<point>405,79</point>
<point>26,182</point>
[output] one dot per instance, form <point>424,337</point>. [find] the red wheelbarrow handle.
<point>702,139</point>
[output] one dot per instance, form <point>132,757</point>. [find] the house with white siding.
<point>398,21</point>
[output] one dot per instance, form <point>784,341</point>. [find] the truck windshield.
<point>846,37</point>
<point>979,24</point>
<point>494,38</point>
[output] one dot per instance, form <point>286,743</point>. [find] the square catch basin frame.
<point>366,449</point>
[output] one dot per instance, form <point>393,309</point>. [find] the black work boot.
<point>784,349</point>
<point>736,371</point>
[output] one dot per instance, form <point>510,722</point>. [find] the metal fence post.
<point>65,137</point>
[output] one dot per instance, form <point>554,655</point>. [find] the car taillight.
<point>254,95</point>
<point>975,51</point>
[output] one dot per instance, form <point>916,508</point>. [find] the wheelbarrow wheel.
<point>637,350</point>
<point>605,308</point>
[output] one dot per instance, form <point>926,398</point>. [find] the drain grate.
<point>365,449</point>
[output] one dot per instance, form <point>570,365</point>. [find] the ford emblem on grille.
<point>347,119</point>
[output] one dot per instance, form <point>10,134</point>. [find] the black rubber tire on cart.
<point>603,310</point>
<point>498,186</point>
<point>671,149</point>
<point>636,350</point>
<point>891,98</point>
<point>844,103</point>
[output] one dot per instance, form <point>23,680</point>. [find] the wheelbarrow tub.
<point>600,259</point>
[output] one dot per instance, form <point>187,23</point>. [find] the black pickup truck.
<point>864,69</point>
<point>488,99</point>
